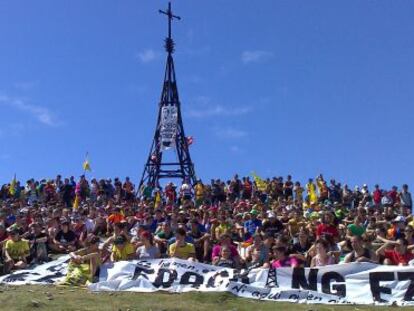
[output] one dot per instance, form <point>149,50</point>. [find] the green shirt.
<point>163,235</point>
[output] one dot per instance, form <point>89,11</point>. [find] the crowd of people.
<point>241,223</point>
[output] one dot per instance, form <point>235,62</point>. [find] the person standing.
<point>406,199</point>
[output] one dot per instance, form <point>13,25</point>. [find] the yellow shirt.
<point>17,249</point>
<point>310,187</point>
<point>299,192</point>
<point>182,252</point>
<point>124,253</point>
<point>199,190</point>
<point>222,229</point>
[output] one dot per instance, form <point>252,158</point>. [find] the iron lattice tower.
<point>169,132</point>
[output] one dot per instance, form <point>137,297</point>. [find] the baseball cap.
<point>271,215</point>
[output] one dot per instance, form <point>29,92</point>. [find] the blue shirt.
<point>251,225</point>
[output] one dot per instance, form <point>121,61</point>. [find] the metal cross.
<point>170,18</point>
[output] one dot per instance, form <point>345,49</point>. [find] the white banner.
<point>48,273</point>
<point>168,127</point>
<point>355,283</point>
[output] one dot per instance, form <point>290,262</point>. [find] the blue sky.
<point>278,87</point>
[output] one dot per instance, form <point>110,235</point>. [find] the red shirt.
<point>247,187</point>
<point>397,258</point>
<point>377,196</point>
<point>393,195</point>
<point>326,229</point>
<point>170,194</point>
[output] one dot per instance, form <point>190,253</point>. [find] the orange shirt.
<point>115,218</point>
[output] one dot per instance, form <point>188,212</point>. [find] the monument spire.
<point>169,132</point>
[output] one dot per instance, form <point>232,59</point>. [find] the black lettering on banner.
<point>404,276</point>
<point>241,277</point>
<point>50,278</point>
<point>259,294</point>
<point>239,288</point>
<point>187,276</point>
<point>159,281</point>
<point>141,270</point>
<point>165,264</point>
<point>374,282</point>
<point>57,267</point>
<point>299,279</point>
<point>326,284</point>
<point>293,297</point>
<point>212,280</point>
<point>20,276</point>
<point>145,264</point>
<point>274,296</point>
<point>313,297</point>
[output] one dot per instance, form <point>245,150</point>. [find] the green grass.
<point>62,298</point>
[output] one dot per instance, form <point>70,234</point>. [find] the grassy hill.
<point>63,298</point>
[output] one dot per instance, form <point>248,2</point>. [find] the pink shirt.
<point>287,262</point>
<point>217,250</point>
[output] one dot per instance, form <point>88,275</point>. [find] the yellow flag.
<point>86,166</point>
<point>12,189</point>
<point>313,197</point>
<point>157,200</point>
<point>260,183</point>
<point>76,203</point>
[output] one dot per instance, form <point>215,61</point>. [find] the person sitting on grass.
<point>114,218</point>
<point>181,249</point>
<point>396,252</point>
<point>122,249</point>
<point>148,250</point>
<point>225,260</point>
<point>162,236</point>
<point>257,253</point>
<point>84,263</point>
<point>323,256</point>
<point>282,258</point>
<point>119,229</point>
<point>359,253</point>
<point>38,243</point>
<point>16,251</point>
<point>225,240</point>
<point>65,239</point>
